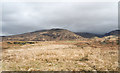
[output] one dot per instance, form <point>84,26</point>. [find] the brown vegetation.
<point>99,54</point>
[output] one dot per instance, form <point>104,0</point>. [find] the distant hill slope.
<point>87,35</point>
<point>91,35</point>
<point>114,32</point>
<point>44,35</point>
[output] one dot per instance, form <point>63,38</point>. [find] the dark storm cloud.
<point>78,17</point>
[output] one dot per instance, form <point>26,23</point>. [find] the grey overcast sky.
<point>94,17</point>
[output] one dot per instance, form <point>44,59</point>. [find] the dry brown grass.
<point>60,56</point>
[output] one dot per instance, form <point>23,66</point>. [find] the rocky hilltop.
<point>44,35</point>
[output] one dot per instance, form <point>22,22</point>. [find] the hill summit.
<point>44,35</point>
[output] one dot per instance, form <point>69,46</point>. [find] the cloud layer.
<point>94,17</point>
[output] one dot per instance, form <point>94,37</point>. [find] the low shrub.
<point>9,43</point>
<point>23,43</point>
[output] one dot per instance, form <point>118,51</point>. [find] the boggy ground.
<point>60,56</point>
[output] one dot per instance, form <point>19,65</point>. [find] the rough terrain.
<point>99,54</point>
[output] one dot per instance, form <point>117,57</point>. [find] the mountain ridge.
<point>91,35</point>
<point>55,34</point>
<point>44,35</point>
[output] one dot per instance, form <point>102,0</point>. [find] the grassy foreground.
<point>60,56</point>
